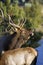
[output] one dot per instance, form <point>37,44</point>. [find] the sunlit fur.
<point>20,56</point>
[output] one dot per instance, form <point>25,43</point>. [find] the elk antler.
<point>24,22</point>
<point>2,13</point>
<point>11,23</point>
<point>19,23</point>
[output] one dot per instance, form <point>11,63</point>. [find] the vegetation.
<point>31,15</point>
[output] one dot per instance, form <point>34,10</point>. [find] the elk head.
<point>22,34</point>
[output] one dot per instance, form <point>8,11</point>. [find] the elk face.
<point>25,34</point>
<point>20,56</point>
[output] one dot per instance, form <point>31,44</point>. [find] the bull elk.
<point>18,38</point>
<point>20,56</point>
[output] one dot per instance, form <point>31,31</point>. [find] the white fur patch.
<point>3,52</point>
<point>10,61</point>
<point>20,59</point>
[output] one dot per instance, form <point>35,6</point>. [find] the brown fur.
<point>20,39</point>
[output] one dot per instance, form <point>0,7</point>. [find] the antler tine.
<point>2,13</point>
<point>24,22</point>
<point>18,22</point>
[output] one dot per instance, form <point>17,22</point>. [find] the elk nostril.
<point>24,64</point>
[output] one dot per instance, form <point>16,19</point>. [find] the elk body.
<point>20,56</point>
